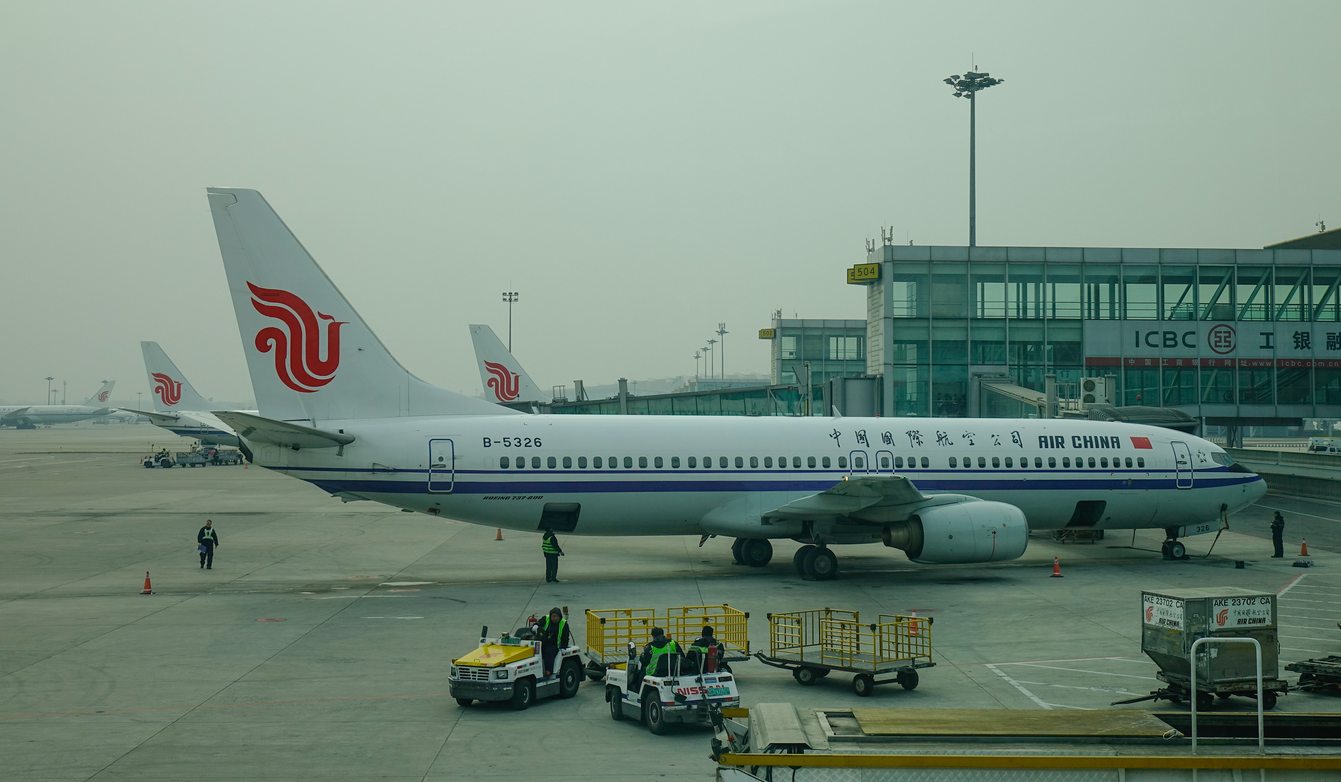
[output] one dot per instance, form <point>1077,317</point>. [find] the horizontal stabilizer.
<point>154,418</point>
<point>283,433</point>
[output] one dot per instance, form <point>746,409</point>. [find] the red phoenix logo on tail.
<point>298,360</point>
<point>102,395</point>
<point>169,390</point>
<point>505,384</point>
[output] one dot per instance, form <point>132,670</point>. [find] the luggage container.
<point>1172,620</point>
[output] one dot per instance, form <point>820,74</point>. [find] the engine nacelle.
<point>974,531</point>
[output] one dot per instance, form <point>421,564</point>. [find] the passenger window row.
<point>811,462</point>
<point>1081,462</point>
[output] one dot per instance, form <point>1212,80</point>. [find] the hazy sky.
<point>638,171</point>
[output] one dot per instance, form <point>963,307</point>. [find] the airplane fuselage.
<point>657,475</point>
<point>44,415</point>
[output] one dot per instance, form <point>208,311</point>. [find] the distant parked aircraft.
<point>32,416</point>
<point>179,408</point>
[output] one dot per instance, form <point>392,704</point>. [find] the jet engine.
<point>975,531</point>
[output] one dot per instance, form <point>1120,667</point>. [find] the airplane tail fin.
<point>310,355</point>
<point>501,373</point>
<point>171,390</point>
<point>100,397</point>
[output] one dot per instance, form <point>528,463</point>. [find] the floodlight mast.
<point>968,86</point>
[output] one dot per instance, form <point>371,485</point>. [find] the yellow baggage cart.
<point>611,630</point>
<point>814,643</point>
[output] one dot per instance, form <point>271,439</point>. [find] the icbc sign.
<point>1221,339</point>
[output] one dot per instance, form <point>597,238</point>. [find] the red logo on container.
<point>169,390</point>
<point>505,384</point>
<point>1221,617</point>
<point>299,362</point>
<point>1149,613</point>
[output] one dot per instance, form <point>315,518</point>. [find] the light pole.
<point>698,357</point>
<point>49,379</point>
<point>968,86</point>
<point>707,352</point>
<point>511,298</point>
<point>721,352</point>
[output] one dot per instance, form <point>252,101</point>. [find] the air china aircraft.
<point>31,416</point>
<point>338,411</point>
<point>501,374</point>
<point>179,408</point>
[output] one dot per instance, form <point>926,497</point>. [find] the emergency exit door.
<point>1182,465</point>
<point>441,472</point>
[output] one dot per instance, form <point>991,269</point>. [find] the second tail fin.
<point>170,388</point>
<point>501,373</point>
<point>99,399</point>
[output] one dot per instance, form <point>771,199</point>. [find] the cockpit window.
<point>1222,459</point>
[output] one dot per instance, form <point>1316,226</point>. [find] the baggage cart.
<point>1321,674</point>
<point>610,631</point>
<point>814,643</point>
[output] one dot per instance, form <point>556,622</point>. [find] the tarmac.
<point>318,646</point>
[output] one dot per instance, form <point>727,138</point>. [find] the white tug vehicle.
<point>681,696</point>
<point>510,668</point>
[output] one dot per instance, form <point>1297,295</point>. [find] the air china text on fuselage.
<point>942,490</point>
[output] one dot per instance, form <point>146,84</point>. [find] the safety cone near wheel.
<point>148,586</point>
<point>912,624</point>
<point>499,534</point>
<point>1303,547</point>
<point>1056,568</point>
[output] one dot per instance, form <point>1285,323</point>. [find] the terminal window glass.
<point>949,290</point>
<point>988,282</point>
<point>908,289</point>
<point>825,462</point>
<point>535,462</point>
<point>1180,385</point>
<point>1252,293</point>
<point>1141,385</point>
<point>1063,291</point>
<point>567,462</point>
<point>1255,385</point>
<point>1215,292</point>
<point>1290,292</point>
<point>1326,301</point>
<point>845,348</point>
<point>1026,291</point>
<point>787,347</point>
<point>1217,386</point>
<point>1140,290</point>
<point>504,462</point>
<point>1102,293</point>
<point>1294,386</point>
<point>582,462</point>
<point>1179,292</point>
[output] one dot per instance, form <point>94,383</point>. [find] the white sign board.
<point>1159,611</point>
<point>1174,343</point>
<point>1230,612</point>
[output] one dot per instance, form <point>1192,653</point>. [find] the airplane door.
<point>1182,465</point>
<point>858,463</point>
<point>441,461</point>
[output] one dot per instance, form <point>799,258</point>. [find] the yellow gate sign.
<point>863,274</point>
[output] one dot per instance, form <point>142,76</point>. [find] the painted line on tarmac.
<point>1025,691</point>
<point>1301,649</point>
<point>1306,637</point>
<point>1079,670</point>
<point>393,617</point>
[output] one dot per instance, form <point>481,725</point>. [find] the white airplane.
<point>32,416</point>
<point>338,411</point>
<point>179,409</point>
<point>501,373</point>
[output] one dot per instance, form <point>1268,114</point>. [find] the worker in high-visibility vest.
<point>705,653</point>
<point>661,655</point>
<point>549,546</point>
<point>554,635</point>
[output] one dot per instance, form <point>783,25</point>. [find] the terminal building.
<point>1230,337</point>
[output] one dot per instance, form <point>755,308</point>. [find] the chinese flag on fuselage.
<point>1142,443</point>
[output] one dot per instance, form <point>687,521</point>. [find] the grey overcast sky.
<point>638,171</point>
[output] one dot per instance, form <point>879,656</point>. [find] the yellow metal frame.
<point>609,631</point>
<point>837,638</point>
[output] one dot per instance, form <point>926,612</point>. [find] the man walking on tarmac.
<point>549,546</point>
<point>207,540</point>
<point>554,635</point>
<point>1278,535</point>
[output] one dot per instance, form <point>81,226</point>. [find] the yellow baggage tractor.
<point>610,631</point>
<point>812,644</point>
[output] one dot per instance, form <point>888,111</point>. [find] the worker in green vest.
<point>554,635</point>
<point>549,546</point>
<point>661,655</point>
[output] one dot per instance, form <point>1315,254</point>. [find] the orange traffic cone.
<point>1057,568</point>
<point>1303,547</point>
<point>498,535</point>
<point>912,624</point>
<point>148,587</point>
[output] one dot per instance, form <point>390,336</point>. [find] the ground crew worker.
<point>659,654</point>
<point>707,652</point>
<point>1278,535</point>
<point>207,539</point>
<point>549,546</point>
<point>554,635</point>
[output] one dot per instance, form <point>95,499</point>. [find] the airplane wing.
<point>872,499</point>
<point>154,418</point>
<point>14,416</point>
<point>283,433</point>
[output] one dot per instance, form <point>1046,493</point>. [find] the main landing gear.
<point>755,552</point>
<point>816,563</point>
<point>1172,547</point>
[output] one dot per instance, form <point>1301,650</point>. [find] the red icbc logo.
<point>169,390</point>
<point>299,361</point>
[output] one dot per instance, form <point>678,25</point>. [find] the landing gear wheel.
<point>907,679</point>
<point>736,546</point>
<point>1164,550</point>
<point>806,675</point>
<point>616,703</point>
<point>1205,700</point>
<point>464,702</point>
<point>824,566</point>
<point>1268,700</point>
<point>863,684</point>
<point>653,716</point>
<point>799,559</point>
<point>756,552</point>
<point>523,693</point>
<point>570,678</point>
<point>1177,550</point>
